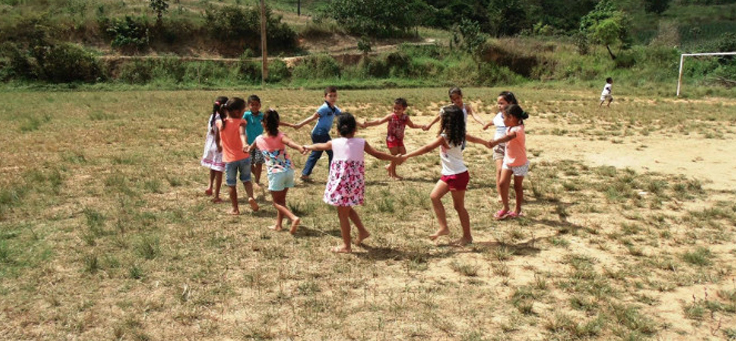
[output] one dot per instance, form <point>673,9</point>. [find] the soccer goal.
<point>682,59</point>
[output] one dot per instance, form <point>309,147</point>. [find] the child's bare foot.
<point>462,242</point>
<point>341,249</point>
<point>253,204</point>
<point>208,191</point>
<point>235,212</point>
<point>295,225</point>
<point>216,200</point>
<point>275,227</point>
<point>397,177</point>
<point>438,234</point>
<point>362,237</point>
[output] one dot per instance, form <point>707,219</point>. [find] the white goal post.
<point>682,58</point>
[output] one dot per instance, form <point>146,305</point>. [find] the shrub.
<point>136,72</point>
<point>238,28</point>
<point>129,34</point>
<point>278,71</point>
<point>317,67</point>
<point>65,63</point>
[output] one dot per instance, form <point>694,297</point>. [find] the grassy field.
<point>105,232</point>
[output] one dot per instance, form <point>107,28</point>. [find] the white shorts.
<point>606,97</point>
<point>518,170</point>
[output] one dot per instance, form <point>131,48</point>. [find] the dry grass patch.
<point>105,233</point>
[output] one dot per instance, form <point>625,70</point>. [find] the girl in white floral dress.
<point>346,185</point>
<point>212,155</point>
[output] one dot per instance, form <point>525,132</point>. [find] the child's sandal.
<point>500,215</point>
<point>514,215</point>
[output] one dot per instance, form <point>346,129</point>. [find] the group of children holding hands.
<point>240,142</point>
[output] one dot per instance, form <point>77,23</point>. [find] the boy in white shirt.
<point>606,94</point>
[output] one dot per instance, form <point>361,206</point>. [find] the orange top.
<point>232,146</point>
<point>516,148</point>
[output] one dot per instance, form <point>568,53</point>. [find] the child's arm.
<point>218,143</point>
<point>244,136</point>
<point>478,140</point>
<point>424,149</point>
<point>290,125</point>
<point>475,116</point>
<point>289,142</point>
<point>317,146</point>
<point>307,120</point>
<point>379,154</point>
<point>430,124</point>
<point>488,125</point>
<point>506,138</point>
<point>411,124</point>
<point>377,122</point>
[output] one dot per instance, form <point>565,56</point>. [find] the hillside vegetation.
<point>376,43</point>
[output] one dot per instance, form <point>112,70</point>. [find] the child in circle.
<point>455,176</point>
<point>272,144</point>
<point>397,121</point>
<point>212,155</point>
<point>505,98</point>
<point>235,152</point>
<point>346,185</point>
<point>607,94</point>
<point>515,161</point>
<point>456,97</point>
<point>254,117</point>
<point>324,115</point>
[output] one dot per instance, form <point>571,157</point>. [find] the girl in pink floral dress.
<point>346,185</point>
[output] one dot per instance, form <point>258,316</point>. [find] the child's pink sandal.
<point>514,215</point>
<point>502,214</point>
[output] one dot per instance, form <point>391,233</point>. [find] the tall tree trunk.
<point>613,57</point>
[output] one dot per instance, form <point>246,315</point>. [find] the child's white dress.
<point>211,158</point>
<point>346,184</point>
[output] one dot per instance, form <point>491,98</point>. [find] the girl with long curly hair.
<point>451,140</point>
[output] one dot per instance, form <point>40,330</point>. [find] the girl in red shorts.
<point>397,121</point>
<point>455,177</point>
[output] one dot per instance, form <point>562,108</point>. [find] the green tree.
<point>507,17</point>
<point>606,25</point>
<point>159,6</point>
<point>383,18</point>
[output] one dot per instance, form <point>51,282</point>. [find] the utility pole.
<point>298,8</point>
<point>264,50</point>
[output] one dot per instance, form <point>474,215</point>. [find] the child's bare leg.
<point>440,189</point>
<point>519,189</point>
<point>503,187</point>
<point>218,184</point>
<point>499,166</point>
<point>363,234</point>
<point>343,212</point>
<point>251,200</point>
<point>279,202</point>
<point>458,201</point>
<point>391,168</point>
<point>234,200</point>
<point>208,191</point>
<point>256,170</point>
<point>401,150</point>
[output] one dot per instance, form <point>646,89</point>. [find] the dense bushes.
<point>62,63</point>
<point>234,28</point>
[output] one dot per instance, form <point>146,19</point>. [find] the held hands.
<point>400,158</point>
<point>491,144</point>
<point>305,149</point>
<point>301,149</point>
<point>246,148</point>
<point>425,127</point>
